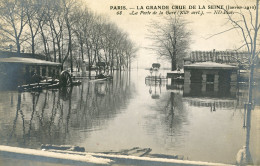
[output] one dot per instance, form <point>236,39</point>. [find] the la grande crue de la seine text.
<point>183,7</point>
<point>166,7</point>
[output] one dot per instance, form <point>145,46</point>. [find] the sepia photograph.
<point>129,82</point>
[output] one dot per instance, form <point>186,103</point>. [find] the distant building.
<point>212,70</point>
<point>18,68</point>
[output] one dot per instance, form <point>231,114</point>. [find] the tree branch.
<point>221,32</point>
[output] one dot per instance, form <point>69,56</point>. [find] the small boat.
<point>76,83</point>
<point>37,86</point>
<point>30,87</point>
<point>103,77</point>
<point>52,86</point>
<point>109,77</point>
<point>50,81</point>
<point>100,79</point>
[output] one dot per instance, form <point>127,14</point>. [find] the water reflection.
<point>176,111</point>
<point>55,116</point>
<point>122,114</point>
<point>155,86</point>
<point>172,112</point>
<point>181,105</point>
<point>209,90</point>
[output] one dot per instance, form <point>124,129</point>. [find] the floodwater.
<point>129,112</point>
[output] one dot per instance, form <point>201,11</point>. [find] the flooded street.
<point>129,112</point>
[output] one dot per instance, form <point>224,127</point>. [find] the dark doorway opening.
<point>210,78</point>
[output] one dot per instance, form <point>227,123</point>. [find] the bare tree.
<point>13,21</point>
<point>83,28</point>
<point>249,31</point>
<point>96,37</point>
<point>42,31</point>
<point>79,28</point>
<point>65,31</point>
<point>34,10</point>
<point>109,44</point>
<point>248,24</point>
<point>130,51</point>
<point>68,5</point>
<point>170,39</point>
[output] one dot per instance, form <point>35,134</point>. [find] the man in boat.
<point>100,76</point>
<point>36,78</point>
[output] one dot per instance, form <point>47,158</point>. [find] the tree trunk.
<point>89,72</point>
<point>252,66</point>
<point>70,45</point>
<point>174,67</point>
<point>33,48</point>
<point>44,43</point>
<point>112,61</point>
<point>120,64</point>
<point>129,63</point>
<point>18,45</point>
<point>82,51</point>
<point>53,45</point>
<point>117,62</point>
<point>54,50</point>
<point>71,60</point>
<point>251,86</point>
<point>59,50</point>
<point>32,35</point>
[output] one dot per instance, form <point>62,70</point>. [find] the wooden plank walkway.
<point>82,158</point>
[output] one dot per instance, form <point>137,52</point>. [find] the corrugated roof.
<point>28,61</point>
<point>209,65</point>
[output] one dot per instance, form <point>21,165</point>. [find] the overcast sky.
<point>201,26</point>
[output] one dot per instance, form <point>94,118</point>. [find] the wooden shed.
<point>210,73</point>
<point>19,70</point>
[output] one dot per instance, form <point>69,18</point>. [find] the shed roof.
<point>30,61</point>
<point>176,71</point>
<point>8,54</point>
<point>209,65</point>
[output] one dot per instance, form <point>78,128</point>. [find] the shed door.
<point>196,76</point>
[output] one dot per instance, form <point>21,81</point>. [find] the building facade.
<point>210,73</point>
<point>17,69</point>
